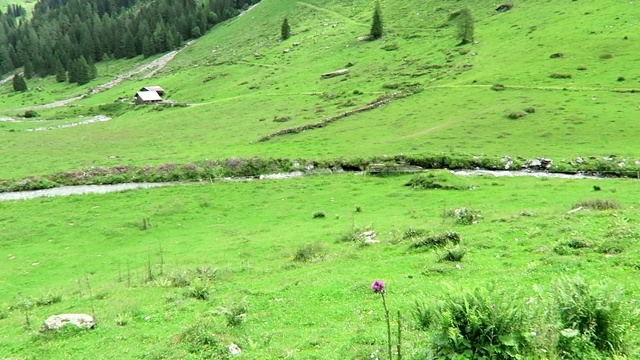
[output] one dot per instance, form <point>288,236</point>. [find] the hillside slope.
<point>245,83</point>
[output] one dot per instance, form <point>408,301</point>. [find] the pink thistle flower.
<point>378,286</point>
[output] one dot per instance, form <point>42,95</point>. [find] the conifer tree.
<point>465,26</point>
<point>93,71</point>
<point>28,69</point>
<point>18,83</point>
<point>285,29</point>
<point>376,26</point>
<point>83,71</point>
<point>6,64</point>
<point>61,75</point>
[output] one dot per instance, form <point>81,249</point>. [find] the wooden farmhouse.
<point>147,97</point>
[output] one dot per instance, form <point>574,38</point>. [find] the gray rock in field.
<point>56,322</point>
<point>234,349</point>
<point>369,237</point>
<point>538,164</point>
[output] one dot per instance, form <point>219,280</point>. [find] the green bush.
<point>199,339</point>
<point>464,216</point>
<point>198,289</point>
<point>30,114</point>
<point>309,253</point>
<point>478,324</point>
<point>591,319</point>
<point>235,314</point>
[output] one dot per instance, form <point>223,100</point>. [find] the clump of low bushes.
<point>573,320</point>
<point>476,324</point>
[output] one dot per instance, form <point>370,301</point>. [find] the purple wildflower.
<point>378,286</point>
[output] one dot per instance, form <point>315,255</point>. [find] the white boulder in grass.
<point>56,322</point>
<point>234,349</point>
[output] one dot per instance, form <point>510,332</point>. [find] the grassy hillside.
<point>277,266</point>
<point>28,5</point>
<point>239,80</point>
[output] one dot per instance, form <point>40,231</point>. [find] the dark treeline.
<point>67,37</point>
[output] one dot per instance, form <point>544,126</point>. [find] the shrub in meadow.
<point>199,340</point>
<point>310,253</point>
<point>478,324</point>
<point>198,289</point>
<point>235,314</point>
<point>592,319</point>
<point>464,216</point>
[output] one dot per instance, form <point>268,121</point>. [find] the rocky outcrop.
<point>57,322</point>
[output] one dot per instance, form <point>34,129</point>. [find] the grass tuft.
<point>599,204</point>
<point>436,240</point>
<point>464,216</point>
<point>455,253</point>
<point>310,253</point>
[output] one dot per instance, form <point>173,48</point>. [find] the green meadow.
<point>117,256</point>
<point>281,267</point>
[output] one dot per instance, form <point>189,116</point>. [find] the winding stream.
<point>77,190</point>
<point>103,189</point>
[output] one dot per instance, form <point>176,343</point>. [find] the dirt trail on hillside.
<point>152,67</point>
